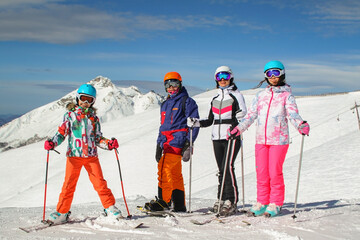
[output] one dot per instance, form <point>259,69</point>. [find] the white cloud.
<point>64,24</point>
<point>22,3</point>
<point>336,16</point>
<point>342,77</point>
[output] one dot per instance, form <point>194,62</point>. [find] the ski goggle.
<point>86,98</point>
<point>222,75</point>
<point>274,72</point>
<point>172,83</point>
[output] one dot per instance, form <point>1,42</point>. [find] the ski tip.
<point>246,222</point>
<point>140,225</point>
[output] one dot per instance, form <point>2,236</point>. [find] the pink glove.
<point>304,128</point>
<point>235,132</point>
<point>113,143</point>
<point>49,145</point>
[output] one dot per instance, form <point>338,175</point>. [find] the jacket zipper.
<point>267,116</point>
<point>220,120</point>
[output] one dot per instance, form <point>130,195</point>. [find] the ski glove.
<point>186,154</point>
<point>49,145</point>
<point>113,143</point>
<point>158,153</point>
<point>304,128</point>
<point>233,133</point>
<point>193,122</point>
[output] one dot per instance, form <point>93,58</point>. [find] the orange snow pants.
<point>169,175</point>
<point>73,168</point>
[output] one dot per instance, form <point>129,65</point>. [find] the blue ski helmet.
<point>274,64</point>
<point>87,89</point>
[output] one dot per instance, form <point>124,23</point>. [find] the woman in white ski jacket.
<point>226,109</point>
<point>272,108</point>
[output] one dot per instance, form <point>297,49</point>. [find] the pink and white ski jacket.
<point>272,108</point>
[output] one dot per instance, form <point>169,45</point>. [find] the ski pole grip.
<point>49,140</point>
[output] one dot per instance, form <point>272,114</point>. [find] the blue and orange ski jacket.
<point>174,132</point>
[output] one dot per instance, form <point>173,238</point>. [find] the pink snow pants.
<point>269,173</point>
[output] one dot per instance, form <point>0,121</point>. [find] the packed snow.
<point>329,192</point>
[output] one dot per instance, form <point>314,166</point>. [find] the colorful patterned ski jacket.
<point>83,130</point>
<point>226,109</point>
<point>272,108</point>
<point>174,132</point>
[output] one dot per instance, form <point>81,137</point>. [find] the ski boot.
<point>257,209</point>
<point>218,204</point>
<point>113,211</point>
<point>228,208</point>
<point>272,210</point>
<point>58,218</point>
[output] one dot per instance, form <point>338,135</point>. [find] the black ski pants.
<point>230,191</point>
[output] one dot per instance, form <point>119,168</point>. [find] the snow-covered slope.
<point>112,102</point>
<point>328,202</point>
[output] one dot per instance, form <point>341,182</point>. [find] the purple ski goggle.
<point>223,75</point>
<point>274,72</point>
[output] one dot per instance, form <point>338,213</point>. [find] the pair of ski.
<point>47,223</point>
<point>219,218</point>
<point>167,213</point>
<point>194,221</point>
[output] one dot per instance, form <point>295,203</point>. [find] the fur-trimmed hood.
<point>72,106</point>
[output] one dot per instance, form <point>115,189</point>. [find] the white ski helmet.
<point>224,69</point>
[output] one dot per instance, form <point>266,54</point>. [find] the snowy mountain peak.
<point>101,82</point>
<point>111,103</point>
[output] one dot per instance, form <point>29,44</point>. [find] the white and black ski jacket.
<point>226,109</point>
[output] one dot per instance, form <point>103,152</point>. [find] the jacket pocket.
<point>163,117</point>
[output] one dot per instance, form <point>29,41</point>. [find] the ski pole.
<point>46,177</point>
<point>298,178</point>
<point>242,173</point>
<point>190,168</point>
<point>231,140</point>
<point>122,186</point>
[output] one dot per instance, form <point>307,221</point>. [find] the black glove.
<point>186,146</point>
<point>158,152</point>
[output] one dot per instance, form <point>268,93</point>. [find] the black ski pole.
<point>298,178</point>
<point>122,186</point>
<point>231,144</point>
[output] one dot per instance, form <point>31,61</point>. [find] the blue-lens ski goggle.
<point>223,75</point>
<point>274,72</point>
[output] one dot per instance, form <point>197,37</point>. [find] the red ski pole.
<point>122,186</point>
<point>46,176</point>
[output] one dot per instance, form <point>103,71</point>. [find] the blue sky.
<point>50,47</point>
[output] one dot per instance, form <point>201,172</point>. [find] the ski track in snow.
<point>314,221</point>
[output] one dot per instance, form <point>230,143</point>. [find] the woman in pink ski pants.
<point>272,108</point>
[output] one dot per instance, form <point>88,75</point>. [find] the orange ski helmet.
<point>172,75</point>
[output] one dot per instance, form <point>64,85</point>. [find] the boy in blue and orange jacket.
<point>174,140</point>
